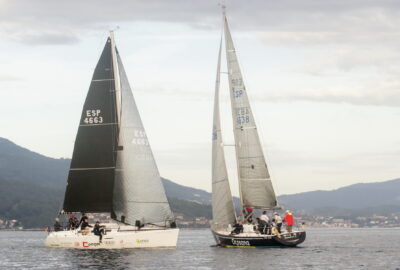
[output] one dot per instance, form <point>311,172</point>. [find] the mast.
<point>255,185</point>
<point>117,81</point>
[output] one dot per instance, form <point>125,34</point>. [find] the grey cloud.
<point>379,97</point>
<point>45,38</point>
<point>162,90</point>
<point>354,34</point>
<point>255,15</point>
<point>9,78</point>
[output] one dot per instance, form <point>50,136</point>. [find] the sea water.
<point>323,249</point>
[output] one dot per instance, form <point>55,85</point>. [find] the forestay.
<point>91,174</point>
<point>138,191</point>
<point>222,203</point>
<point>254,180</point>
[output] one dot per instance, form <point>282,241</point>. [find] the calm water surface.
<point>323,249</point>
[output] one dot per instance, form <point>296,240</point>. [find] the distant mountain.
<point>174,190</point>
<point>358,196</point>
<point>34,206</point>
<point>32,189</point>
<point>21,164</point>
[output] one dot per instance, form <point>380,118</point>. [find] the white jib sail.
<point>138,191</point>
<point>254,180</point>
<point>222,203</point>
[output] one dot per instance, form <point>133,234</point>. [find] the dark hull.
<point>285,240</point>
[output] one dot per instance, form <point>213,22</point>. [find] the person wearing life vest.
<point>248,214</point>
<point>289,220</point>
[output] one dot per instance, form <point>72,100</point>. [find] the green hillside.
<point>32,189</point>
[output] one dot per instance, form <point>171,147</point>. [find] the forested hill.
<point>21,164</point>
<point>358,196</point>
<point>32,189</point>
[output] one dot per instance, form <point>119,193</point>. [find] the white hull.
<point>114,239</point>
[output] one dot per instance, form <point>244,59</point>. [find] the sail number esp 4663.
<point>93,117</point>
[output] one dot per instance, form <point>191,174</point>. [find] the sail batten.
<point>255,186</point>
<point>222,203</point>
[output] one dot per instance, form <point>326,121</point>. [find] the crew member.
<point>98,230</point>
<point>278,221</point>
<point>264,221</point>
<point>248,214</point>
<point>238,228</point>
<point>289,220</point>
<point>57,225</point>
<point>83,217</point>
<point>85,226</point>
<point>72,222</point>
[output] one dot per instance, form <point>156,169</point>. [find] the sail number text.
<point>237,93</point>
<point>242,115</point>
<point>139,137</point>
<point>93,117</point>
<point>237,83</point>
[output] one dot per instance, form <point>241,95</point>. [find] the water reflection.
<point>324,249</point>
<point>99,259</point>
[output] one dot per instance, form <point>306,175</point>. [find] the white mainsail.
<point>222,203</point>
<point>255,185</point>
<point>138,191</point>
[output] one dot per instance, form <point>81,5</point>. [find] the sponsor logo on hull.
<point>240,242</point>
<point>142,241</point>
<point>87,244</point>
<point>290,235</point>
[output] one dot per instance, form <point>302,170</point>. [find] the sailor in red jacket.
<point>289,221</point>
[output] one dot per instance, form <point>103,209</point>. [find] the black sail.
<point>91,176</point>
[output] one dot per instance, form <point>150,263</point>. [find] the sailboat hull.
<point>253,240</point>
<point>115,239</point>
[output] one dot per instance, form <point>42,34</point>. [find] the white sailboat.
<point>255,186</point>
<point>113,169</point>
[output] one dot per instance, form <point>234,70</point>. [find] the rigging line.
<point>244,128</point>
<point>246,157</point>
<point>228,144</point>
<point>220,181</point>
<point>102,124</point>
<point>145,202</point>
<point>87,169</point>
<point>102,80</point>
<point>256,179</point>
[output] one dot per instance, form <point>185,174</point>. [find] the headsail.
<point>256,189</point>
<point>91,175</point>
<point>222,203</point>
<point>138,193</point>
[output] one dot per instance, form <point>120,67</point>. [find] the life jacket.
<point>289,219</point>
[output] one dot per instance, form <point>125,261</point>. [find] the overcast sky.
<point>323,78</point>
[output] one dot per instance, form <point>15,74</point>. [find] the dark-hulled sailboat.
<point>255,186</point>
<point>113,169</point>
